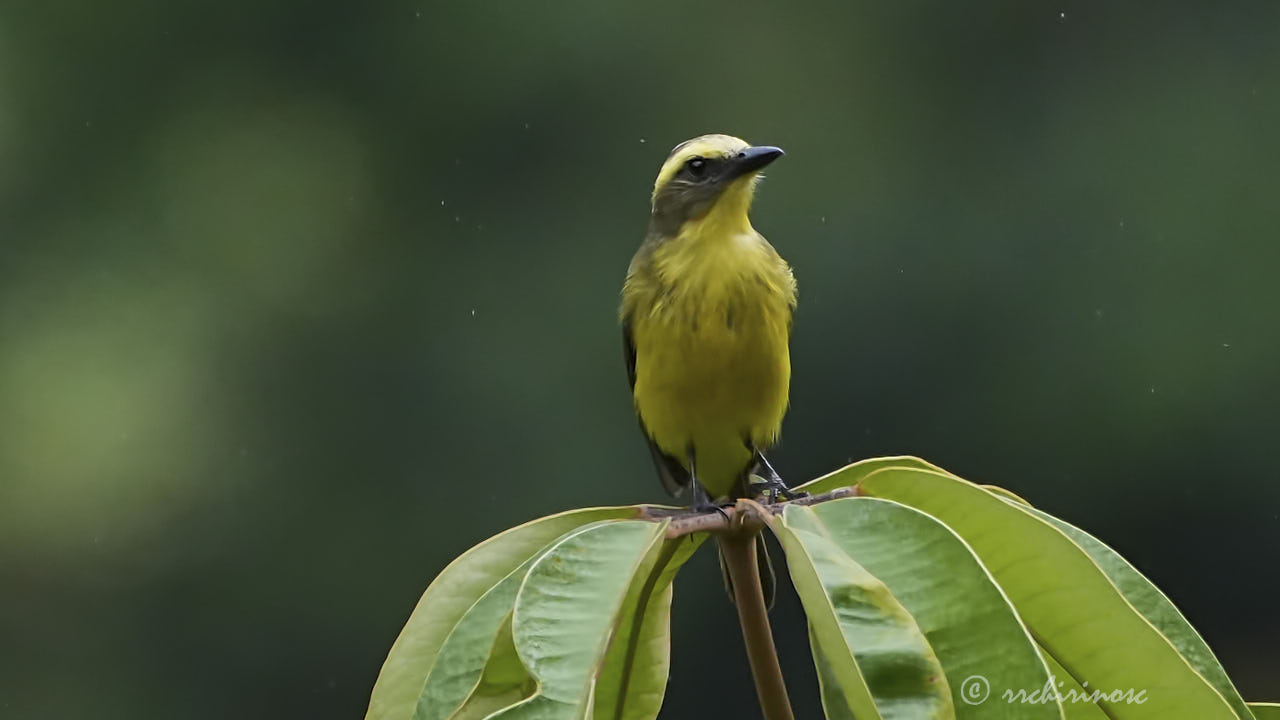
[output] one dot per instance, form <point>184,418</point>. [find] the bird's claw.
<point>706,507</point>
<point>773,491</point>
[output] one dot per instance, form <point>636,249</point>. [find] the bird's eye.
<point>697,167</point>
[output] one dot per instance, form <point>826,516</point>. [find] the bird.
<point>706,314</point>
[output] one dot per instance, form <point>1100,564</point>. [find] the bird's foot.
<point>772,490</point>
<point>702,501</point>
<point>707,506</point>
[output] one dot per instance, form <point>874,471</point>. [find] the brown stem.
<point>739,550</point>
<point>687,522</point>
<point>736,529</point>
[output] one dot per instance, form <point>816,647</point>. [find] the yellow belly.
<point>713,379</point>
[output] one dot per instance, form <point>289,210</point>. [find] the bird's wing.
<point>675,478</point>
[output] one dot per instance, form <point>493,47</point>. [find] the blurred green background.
<point>298,301</point>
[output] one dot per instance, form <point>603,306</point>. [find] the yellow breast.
<point>711,320</point>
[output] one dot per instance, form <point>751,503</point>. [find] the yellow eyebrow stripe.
<point>705,146</point>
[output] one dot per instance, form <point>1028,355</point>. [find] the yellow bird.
<point>706,317</point>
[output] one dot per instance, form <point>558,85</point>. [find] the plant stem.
<point>739,550</point>
<point>729,519</point>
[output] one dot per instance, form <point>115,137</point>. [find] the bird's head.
<point>711,172</point>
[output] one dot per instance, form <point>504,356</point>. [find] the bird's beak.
<point>752,160</point>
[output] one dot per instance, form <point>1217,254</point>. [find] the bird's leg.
<point>774,489</point>
<point>701,500</point>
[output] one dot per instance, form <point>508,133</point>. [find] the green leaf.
<point>969,623</point>
<point>834,706</point>
<point>452,593</point>
<point>566,609</point>
<point>851,475</point>
<point>504,669</point>
<point>1074,698</point>
<point>505,681</point>
<point>873,647</point>
<point>480,707</point>
<point>1006,494</point>
<point>1265,711</point>
<point>633,678</point>
<point>465,652</point>
<point>1071,607</point>
<point>1156,607</point>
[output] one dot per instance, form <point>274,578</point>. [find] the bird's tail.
<point>768,582</point>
